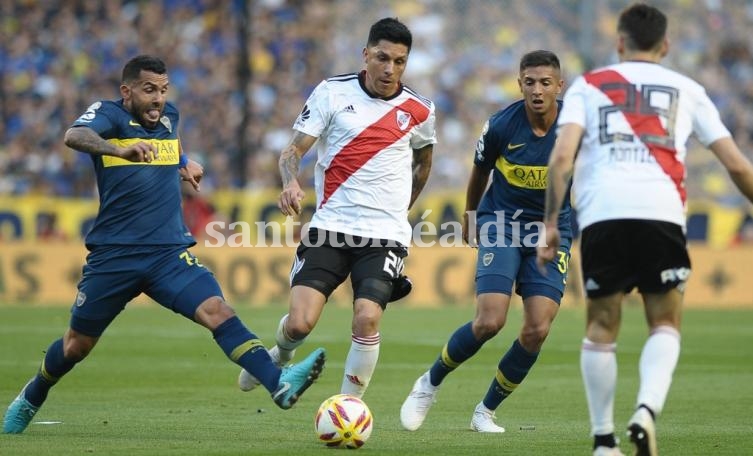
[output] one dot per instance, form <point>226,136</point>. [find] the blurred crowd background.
<point>240,72</point>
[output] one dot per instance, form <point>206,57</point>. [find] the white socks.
<point>285,345</point>
<point>598,365</point>
<point>657,364</point>
<point>360,364</point>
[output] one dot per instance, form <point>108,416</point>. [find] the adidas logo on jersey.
<point>349,109</point>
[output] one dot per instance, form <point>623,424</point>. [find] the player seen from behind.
<point>628,125</point>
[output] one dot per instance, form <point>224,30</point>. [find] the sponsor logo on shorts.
<point>592,285</point>
<point>675,275</point>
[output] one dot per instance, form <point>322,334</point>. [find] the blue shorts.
<point>114,275</point>
<point>498,267</point>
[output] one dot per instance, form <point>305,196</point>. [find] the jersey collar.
<point>362,78</point>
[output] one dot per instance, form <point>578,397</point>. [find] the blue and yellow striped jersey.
<point>519,162</point>
<point>139,203</point>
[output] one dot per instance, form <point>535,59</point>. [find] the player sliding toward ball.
<point>514,146</point>
<point>139,244</point>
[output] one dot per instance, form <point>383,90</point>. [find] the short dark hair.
<point>392,30</point>
<point>539,58</point>
<point>643,25</point>
<point>132,69</point>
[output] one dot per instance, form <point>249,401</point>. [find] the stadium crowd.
<point>57,55</point>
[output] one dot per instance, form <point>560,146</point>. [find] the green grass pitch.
<point>158,385</point>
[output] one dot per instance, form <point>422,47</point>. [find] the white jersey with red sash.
<point>637,118</point>
<point>363,175</point>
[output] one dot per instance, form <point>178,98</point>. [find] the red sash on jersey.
<point>372,140</point>
<point>642,124</point>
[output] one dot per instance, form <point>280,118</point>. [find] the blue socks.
<point>239,344</point>
<point>512,369</point>
<point>461,346</point>
<point>245,349</point>
<point>53,367</point>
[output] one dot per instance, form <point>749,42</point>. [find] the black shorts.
<point>618,255</point>
<point>325,258</point>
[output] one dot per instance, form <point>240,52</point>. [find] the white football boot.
<point>417,404</point>
<point>483,420</point>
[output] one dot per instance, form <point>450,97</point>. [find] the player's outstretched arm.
<point>421,169</point>
<point>85,139</point>
<point>738,166</point>
<point>290,198</point>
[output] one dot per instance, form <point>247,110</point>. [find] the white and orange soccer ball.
<point>343,421</point>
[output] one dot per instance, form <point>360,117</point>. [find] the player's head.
<point>389,29</point>
<point>386,56</point>
<point>540,81</point>
<point>539,58</point>
<point>143,87</point>
<point>642,28</point>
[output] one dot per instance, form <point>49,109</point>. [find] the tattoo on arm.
<point>289,164</point>
<point>290,158</point>
<point>421,169</point>
<point>85,139</point>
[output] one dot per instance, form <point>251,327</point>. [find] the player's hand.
<point>547,248</point>
<point>290,199</point>
<point>192,173</point>
<point>469,230</point>
<point>139,152</point>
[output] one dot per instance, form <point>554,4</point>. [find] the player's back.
<point>637,118</point>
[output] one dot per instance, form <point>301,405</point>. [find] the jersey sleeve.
<point>707,123</point>
<point>97,119</point>
<point>315,115</point>
<point>574,104</point>
<point>489,142</point>
<point>425,132</point>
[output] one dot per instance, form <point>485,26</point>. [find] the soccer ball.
<point>343,421</point>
